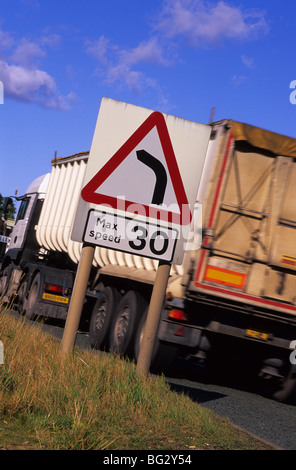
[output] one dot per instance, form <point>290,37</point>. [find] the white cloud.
<point>121,72</point>
<point>208,23</point>
<point>26,53</point>
<point>6,40</point>
<point>32,85</point>
<point>99,48</point>
<point>248,61</point>
<point>51,40</point>
<point>239,79</point>
<point>120,65</point>
<point>148,52</point>
<point>23,79</point>
<point>31,3</point>
<point>199,22</point>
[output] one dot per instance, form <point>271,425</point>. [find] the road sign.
<point>157,186</point>
<point>130,235</point>
<point>144,168</point>
<point>138,195</point>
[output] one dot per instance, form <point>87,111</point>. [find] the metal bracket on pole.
<point>77,299</point>
<point>153,317</point>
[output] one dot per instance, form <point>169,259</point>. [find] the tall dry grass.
<point>96,401</point>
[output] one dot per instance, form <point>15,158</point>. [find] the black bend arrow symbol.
<point>160,173</point>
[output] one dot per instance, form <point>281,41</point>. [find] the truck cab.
<point>22,236</point>
<point>22,244</point>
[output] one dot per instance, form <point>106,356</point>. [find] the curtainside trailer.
<point>231,302</point>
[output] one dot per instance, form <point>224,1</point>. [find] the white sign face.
<point>130,235</point>
<point>144,166</point>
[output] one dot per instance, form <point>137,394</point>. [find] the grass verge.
<point>95,401</point>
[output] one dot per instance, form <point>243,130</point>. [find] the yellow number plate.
<point>257,334</point>
<point>55,298</point>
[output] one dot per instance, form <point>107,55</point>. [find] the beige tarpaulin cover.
<point>275,143</point>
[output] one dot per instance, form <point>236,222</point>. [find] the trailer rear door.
<point>249,222</point>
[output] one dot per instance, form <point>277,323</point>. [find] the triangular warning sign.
<point>144,172</point>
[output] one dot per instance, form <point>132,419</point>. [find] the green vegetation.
<point>11,210</point>
<point>95,401</point>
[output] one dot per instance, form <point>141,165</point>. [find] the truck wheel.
<point>33,296</point>
<point>287,394</point>
<point>163,354</point>
<point>128,313</point>
<point>102,314</point>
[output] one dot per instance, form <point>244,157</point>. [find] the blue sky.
<point>58,58</point>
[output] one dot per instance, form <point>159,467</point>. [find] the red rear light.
<point>53,288</point>
<point>178,315</point>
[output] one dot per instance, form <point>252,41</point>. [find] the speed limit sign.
<point>138,196</point>
<point>130,235</point>
<point>141,163</point>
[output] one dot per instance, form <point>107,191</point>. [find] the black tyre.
<point>102,314</point>
<point>163,354</point>
<point>287,394</point>
<point>33,297</point>
<point>125,321</point>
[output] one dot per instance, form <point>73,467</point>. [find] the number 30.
<point>142,240</point>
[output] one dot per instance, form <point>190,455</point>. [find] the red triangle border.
<point>155,119</point>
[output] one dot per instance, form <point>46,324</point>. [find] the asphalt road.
<point>244,406</point>
<point>271,421</point>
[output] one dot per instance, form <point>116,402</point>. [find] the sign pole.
<point>153,317</point>
<point>77,299</point>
